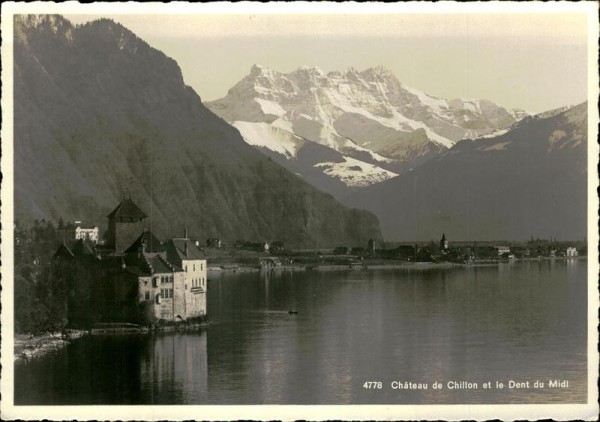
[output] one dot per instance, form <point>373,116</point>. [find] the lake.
<point>459,327</point>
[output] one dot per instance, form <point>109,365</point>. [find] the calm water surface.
<point>523,321</point>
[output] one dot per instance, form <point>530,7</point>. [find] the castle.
<point>139,278</point>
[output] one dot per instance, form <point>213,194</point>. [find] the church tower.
<point>443,243</point>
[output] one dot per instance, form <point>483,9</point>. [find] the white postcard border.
<point>8,410</point>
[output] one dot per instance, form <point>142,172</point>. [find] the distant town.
<point>70,276</point>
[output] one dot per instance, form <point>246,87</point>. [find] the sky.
<point>532,61</point>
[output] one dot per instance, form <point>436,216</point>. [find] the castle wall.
<point>196,304</point>
<point>195,281</point>
<point>180,305</point>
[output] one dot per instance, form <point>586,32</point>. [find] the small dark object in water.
<point>292,312</point>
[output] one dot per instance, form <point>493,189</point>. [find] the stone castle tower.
<point>125,224</point>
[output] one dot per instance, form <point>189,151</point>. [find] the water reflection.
<point>174,368</point>
<point>522,320</point>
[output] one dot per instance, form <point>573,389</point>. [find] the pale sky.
<point>533,61</point>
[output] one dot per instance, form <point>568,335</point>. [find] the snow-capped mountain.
<point>373,122</point>
<point>528,180</point>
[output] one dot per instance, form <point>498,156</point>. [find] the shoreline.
<point>28,347</point>
<point>376,265</point>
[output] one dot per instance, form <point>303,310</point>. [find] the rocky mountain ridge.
<point>100,115</point>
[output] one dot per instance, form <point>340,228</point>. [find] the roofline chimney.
<point>185,247</point>
<point>185,233</point>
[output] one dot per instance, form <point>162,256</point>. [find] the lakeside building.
<point>135,277</point>
<point>184,253</point>
<point>502,250</point>
<point>572,251</point>
<point>157,281</point>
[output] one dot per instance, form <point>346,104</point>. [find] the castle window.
<point>194,267</point>
<point>201,267</point>
<point>147,296</point>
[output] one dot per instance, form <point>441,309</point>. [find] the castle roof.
<point>79,247</point>
<point>64,251</point>
<point>83,247</point>
<point>177,251</point>
<point>160,265</point>
<point>149,264</point>
<point>153,244</point>
<point>127,209</point>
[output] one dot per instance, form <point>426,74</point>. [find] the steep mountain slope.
<point>100,115</point>
<point>367,116</point>
<point>530,180</point>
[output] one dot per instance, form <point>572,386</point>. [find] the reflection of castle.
<point>177,364</point>
<point>142,279</point>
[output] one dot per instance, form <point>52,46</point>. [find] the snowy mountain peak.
<point>379,72</point>
<point>258,70</point>
<point>367,115</point>
<point>310,69</point>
